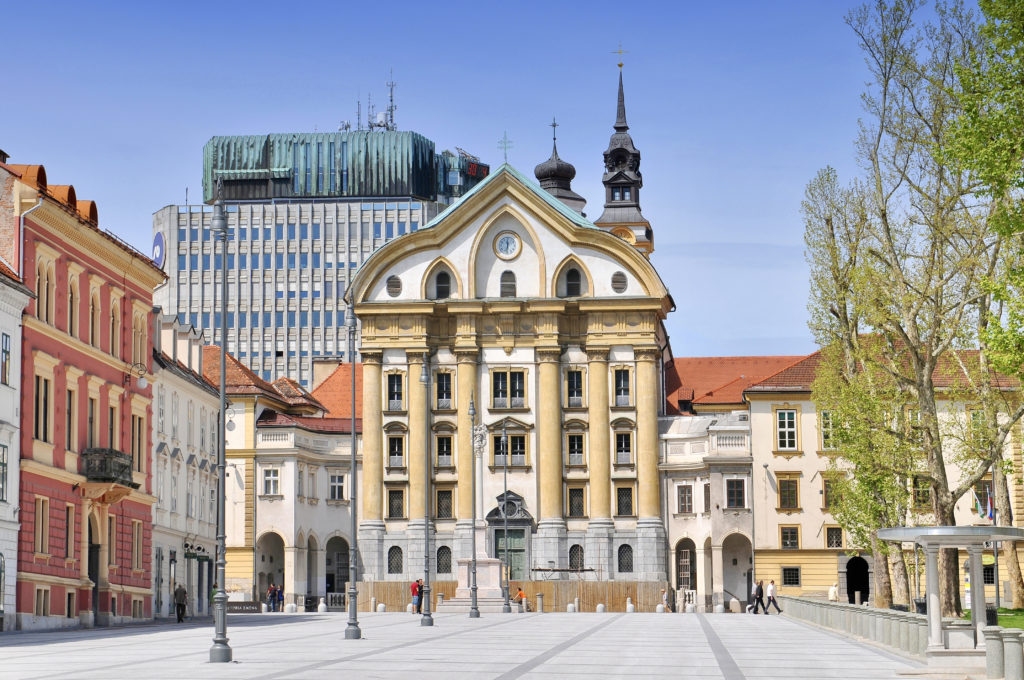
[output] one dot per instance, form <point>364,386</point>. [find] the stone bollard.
<point>691,608</point>
<point>660,609</point>
<point>263,607</point>
<point>540,603</point>
<point>1013,654</point>
<point>373,604</point>
<point>290,608</point>
<point>410,608</point>
<point>571,608</point>
<point>381,608</point>
<point>576,601</point>
<point>322,607</point>
<point>922,636</point>
<point>440,601</point>
<point>630,607</point>
<point>600,609</point>
<point>993,652</point>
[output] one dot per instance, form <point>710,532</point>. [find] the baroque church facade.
<point>512,355</point>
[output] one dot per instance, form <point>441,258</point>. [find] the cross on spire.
<point>505,144</point>
<point>553,125</point>
<point>620,52</point>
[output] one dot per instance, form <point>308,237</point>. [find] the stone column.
<point>931,574</point>
<point>600,529</point>
<point>701,586</point>
<point>717,577</point>
<point>977,595</point>
<point>416,456</point>
<point>650,530</point>
<point>550,541</point>
<point>371,482</point>
<point>466,374</point>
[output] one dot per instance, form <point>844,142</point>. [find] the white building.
<point>185,470</point>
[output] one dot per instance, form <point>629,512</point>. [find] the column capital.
<point>467,356</point>
<point>416,357</point>
<point>549,354</point>
<point>647,354</point>
<point>597,354</point>
<point>372,356</point>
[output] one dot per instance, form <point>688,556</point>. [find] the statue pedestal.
<point>489,596</point>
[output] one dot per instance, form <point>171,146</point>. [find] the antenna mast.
<point>391,101</point>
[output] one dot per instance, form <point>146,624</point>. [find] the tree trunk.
<point>949,582</point>
<point>883,584</point>
<point>900,579</point>
<point>1008,565</point>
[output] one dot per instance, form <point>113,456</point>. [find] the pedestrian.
<point>280,599</point>
<point>521,598</point>
<point>180,600</point>
<point>752,605</point>
<point>771,597</point>
<point>759,597</point>
<point>271,597</point>
<point>415,588</point>
<point>833,593</point>
<point>664,600</point>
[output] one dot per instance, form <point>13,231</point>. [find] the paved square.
<point>272,646</point>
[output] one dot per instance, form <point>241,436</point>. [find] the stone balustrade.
<point>900,631</point>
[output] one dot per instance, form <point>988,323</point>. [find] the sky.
<point>734,107</point>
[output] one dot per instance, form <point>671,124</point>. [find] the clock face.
<point>507,245</point>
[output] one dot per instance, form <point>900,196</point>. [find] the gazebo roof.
<point>951,537</point>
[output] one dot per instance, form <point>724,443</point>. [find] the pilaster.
<point>649,501</point>
<point>373,463</point>
<point>599,460</point>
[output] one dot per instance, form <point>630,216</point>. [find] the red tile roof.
<point>295,394</point>
<point>335,392</point>
<point>270,418</point>
<point>717,380</point>
<point>238,379</point>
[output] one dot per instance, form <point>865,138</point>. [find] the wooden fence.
<point>557,594</point>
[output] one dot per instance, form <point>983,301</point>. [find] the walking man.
<point>180,599</point>
<point>771,597</point>
<point>759,597</point>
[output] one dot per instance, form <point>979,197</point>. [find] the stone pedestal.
<point>597,547</point>
<point>373,562</point>
<point>649,555</point>
<point>489,596</point>
<point>550,544</point>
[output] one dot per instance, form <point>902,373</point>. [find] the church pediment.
<point>512,506</point>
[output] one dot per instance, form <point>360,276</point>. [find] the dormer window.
<point>616,194</point>
<point>625,193</point>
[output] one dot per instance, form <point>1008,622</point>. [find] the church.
<point>512,360</point>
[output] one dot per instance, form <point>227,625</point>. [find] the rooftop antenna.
<point>505,144</point>
<point>359,111</point>
<point>391,100</point>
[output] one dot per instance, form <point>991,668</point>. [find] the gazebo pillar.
<point>977,594</point>
<point>931,574</point>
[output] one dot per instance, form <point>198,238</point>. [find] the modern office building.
<point>303,212</point>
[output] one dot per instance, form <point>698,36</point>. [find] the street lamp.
<point>352,631</point>
<point>478,434</point>
<point>220,652</point>
<point>427,619</point>
<point>506,608</point>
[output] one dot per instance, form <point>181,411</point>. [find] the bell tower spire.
<point>622,183</point>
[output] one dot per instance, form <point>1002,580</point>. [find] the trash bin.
<point>311,603</point>
<point>921,605</point>
<point>991,615</point>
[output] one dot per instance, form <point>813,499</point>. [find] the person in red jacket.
<point>415,588</point>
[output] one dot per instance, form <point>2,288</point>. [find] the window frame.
<point>789,478</point>
<point>828,542</point>
<point>574,397</point>
<point>826,431</point>
<point>336,485</point>
<point>742,481</point>
<point>391,491</point>
<point>569,437</point>
<point>391,379</point>
<point>787,571</point>
<point>438,491</point>
<point>509,399</point>
<point>684,499</point>
<point>448,378</point>
<point>447,437</point>
<point>619,488</point>
<point>513,437</point>
<point>784,448</point>
<point>571,490</point>
<point>271,480</point>
<point>395,440</point>
<point>622,393</point>
<point>41,529</point>
<point>785,529</point>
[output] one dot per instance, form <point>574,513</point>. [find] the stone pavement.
<point>498,646</point>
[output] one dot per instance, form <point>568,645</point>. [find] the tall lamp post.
<point>506,608</point>
<point>352,631</point>
<point>220,652</point>
<point>478,434</point>
<point>427,619</point>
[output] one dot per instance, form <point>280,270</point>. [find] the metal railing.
<point>108,465</point>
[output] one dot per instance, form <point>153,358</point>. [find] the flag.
<point>991,513</point>
<point>977,504</point>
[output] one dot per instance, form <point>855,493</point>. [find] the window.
<point>508,284</point>
<point>508,389</point>
<point>828,494</point>
<point>138,443</point>
<point>785,429</point>
<point>69,531</point>
<point>623,448</point>
<point>574,448</point>
<point>625,562</point>
<point>92,424</point>
<point>619,282</point>
<point>112,429</point>
<point>791,576</point>
<point>42,602</point>
<point>790,538</point>
<point>443,285</point>
<point>94,320</point>
<point>394,560</point>
<point>44,290</point>
<point>174,491</point>
<point>41,412</point>
<point>395,402</point>
<point>574,388</point>
<point>136,544</point>
<point>988,574</point>
<point>517,446</point>
<point>622,387</point>
<point>827,431</point>
<point>396,451</point>
<point>70,611</point>
<point>396,504</point>
<point>685,498</point>
<point>922,493</point>
<point>42,525</point>
<point>443,447</point>
<point>3,473</point>
<point>576,557</point>
<point>271,482</point>
<point>833,537</point>
<point>69,421</point>
<point>443,504</point>
<point>707,495</point>
<point>5,360</point>
<point>735,494</point>
<point>983,490</point>
<point>444,560</point>
<point>576,502</point>
<point>337,484</point>
<point>394,286</point>
<point>573,283</point>
<point>624,501</point>
<point>789,494</point>
<point>443,390</point>
<point>115,331</point>
<point>73,309</point>
<point>312,484</point>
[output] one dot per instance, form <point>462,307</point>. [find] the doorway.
<point>516,552</point>
<point>857,580</point>
<point>94,568</point>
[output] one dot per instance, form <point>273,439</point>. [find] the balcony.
<point>108,474</point>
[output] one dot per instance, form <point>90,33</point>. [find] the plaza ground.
<point>499,646</point>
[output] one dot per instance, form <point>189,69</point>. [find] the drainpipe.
<point>21,238</point>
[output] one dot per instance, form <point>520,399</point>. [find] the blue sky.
<point>734,107</point>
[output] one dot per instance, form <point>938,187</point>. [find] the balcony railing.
<point>108,465</point>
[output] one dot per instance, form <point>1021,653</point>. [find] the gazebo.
<point>931,540</point>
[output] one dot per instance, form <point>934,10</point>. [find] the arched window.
<point>94,321</point>
<point>576,557</point>
<point>444,560</point>
<point>115,330</point>
<point>508,284</point>
<point>73,309</point>
<point>443,285</point>
<point>625,558</point>
<point>395,560</point>
<point>40,297</point>
<point>573,286</point>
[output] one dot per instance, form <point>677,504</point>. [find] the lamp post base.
<point>352,632</point>
<point>427,620</point>
<point>220,653</point>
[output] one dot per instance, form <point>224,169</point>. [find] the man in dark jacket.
<point>180,599</point>
<point>759,598</point>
